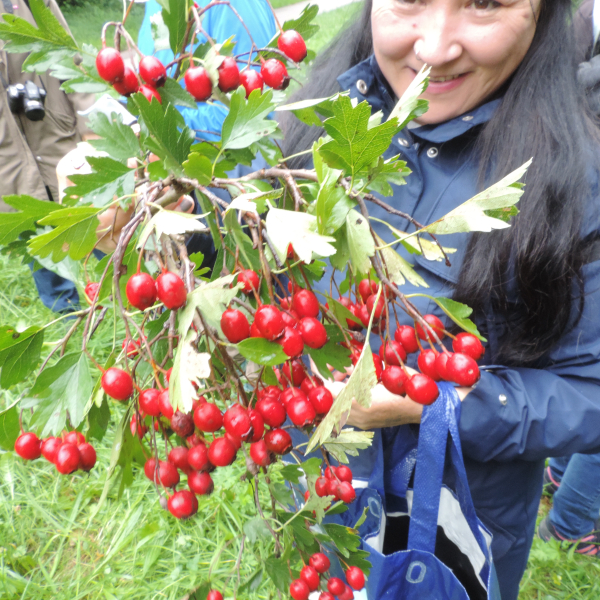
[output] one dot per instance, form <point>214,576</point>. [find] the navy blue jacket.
<point>515,417</point>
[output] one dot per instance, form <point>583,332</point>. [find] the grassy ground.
<point>280,3</point>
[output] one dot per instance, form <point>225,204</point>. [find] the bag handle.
<point>440,420</point>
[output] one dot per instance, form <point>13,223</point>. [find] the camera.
<point>27,99</point>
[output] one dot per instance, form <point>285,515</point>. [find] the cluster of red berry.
<point>273,72</point>
<point>68,453</point>
<point>310,580</point>
<point>337,482</point>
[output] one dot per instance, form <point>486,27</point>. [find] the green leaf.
<point>98,419</point>
<point>346,540</point>
<point>118,139</point>
<point>330,354</point>
<point>304,23</point>
<point>109,178</point>
<point>262,352</point>
<point>315,503</point>
<point>164,132</point>
<point>199,167</point>
<point>333,204</point>
<point>292,473</point>
<point>287,227</point>
<point>173,92</point>
<point>348,443</point>
<point>9,427</point>
<point>30,211</point>
<point>306,110</point>
<point>278,571</point>
<point>419,245</point>
<point>360,243</point>
<point>19,354</point>
<point>398,268</point>
<point>174,17</point>
<point>65,387</point>
<point>386,173</point>
<point>354,145</point>
<point>247,120</point>
<point>75,234</point>
<point>473,215</point>
<point>409,106</point>
<point>256,529</point>
<point>457,311</point>
<point>171,222</point>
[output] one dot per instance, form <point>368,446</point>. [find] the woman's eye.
<point>485,4</point>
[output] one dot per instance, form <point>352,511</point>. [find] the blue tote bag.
<point>425,542</point>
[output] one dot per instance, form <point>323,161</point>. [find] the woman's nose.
<point>438,37</point>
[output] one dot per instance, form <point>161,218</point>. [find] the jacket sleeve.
<point>531,414</point>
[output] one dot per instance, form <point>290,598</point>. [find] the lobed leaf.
<point>117,139</point>
<point>348,443</point>
<point>29,212</point>
<point>262,352</point>
<point>20,354</point>
<point>409,106</point>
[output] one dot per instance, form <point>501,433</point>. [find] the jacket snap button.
<point>503,399</point>
<point>362,87</point>
<point>432,152</point>
<point>403,142</point>
<point>468,118</point>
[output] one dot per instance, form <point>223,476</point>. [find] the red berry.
<point>260,454</point>
<point>74,437</point>
<point>133,426</point>
<point>254,332</point>
<point>313,332</point>
<point>171,290</point>
<point>355,578</point>
<point>347,594</point>
<point>141,291</point>
<point>346,492</point>
<point>299,590</point>
<point>221,452</point>
<point>310,576</point>
<point>344,473</point>
<point>422,389</point>
<point>441,361</point>
<point>354,324</point>
<point>153,72</point>
<point>250,281</point>
<point>237,422</point>
<point>235,326</point>
<point>290,317</point>
<point>291,394</point>
<point>269,322</point>
<point>214,595</point>
<point>129,85</point>
<point>50,448</point>
<point>201,483</point>
<point>87,455</point>
<point>149,402</point>
<point>150,93</point>
<point>28,446</point>
<point>182,504</point>
<point>321,486</point>
<point>164,402</point>
<point>198,458</point>
<point>301,412</point>
<point>272,391</point>
<point>272,411</point>
<point>336,586</point>
<point>251,80</point>
<point>310,383</point>
<point>378,364</point>
<point>236,442</point>
<point>179,457</point>
<point>426,363</point>
<point>91,292</point>
<point>321,399</point>
<point>150,468</point>
<point>208,417</point>
<point>363,314</point>
<point>407,337</point>
<point>329,474</point>
<point>320,562</point>
<point>367,288</point>
<point>131,347</point>
<point>467,343</point>
<point>326,596</point>
<point>198,83</point>
<point>258,425</point>
<point>292,45</point>
<point>229,75</point>
<point>291,342</point>
<point>305,303</point>
<point>278,441</point>
<point>377,310</point>
<point>394,353</point>
<point>117,384</point>
<point>275,74</point>
<point>168,474</point>
<point>67,459</point>
<point>394,380</point>
<point>298,374</point>
<point>435,324</point>
<point>110,65</point>
<point>168,375</point>
<point>462,369</point>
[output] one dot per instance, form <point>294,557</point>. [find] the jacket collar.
<point>365,81</point>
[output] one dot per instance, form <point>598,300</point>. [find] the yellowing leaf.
<point>170,222</point>
<point>398,268</point>
<point>348,442</point>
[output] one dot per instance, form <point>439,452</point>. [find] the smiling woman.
<point>503,90</point>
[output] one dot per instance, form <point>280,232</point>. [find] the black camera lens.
<point>33,102</point>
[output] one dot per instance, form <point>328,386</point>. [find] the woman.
<point>502,90</point>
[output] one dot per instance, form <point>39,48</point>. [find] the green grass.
<point>280,3</point>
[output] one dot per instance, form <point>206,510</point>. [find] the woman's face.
<point>472,46</point>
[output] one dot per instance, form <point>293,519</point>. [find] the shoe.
<point>551,484</point>
<point>588,545</point>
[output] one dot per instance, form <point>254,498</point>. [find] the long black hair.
<point>543,115</point>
